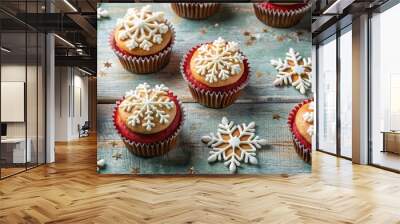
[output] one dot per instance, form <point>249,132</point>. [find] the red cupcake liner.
<point>143,64</point>
<point>280,18</point>
<point>195,11</point>
<point>151,145</point>
<point>303,148</point>
<point>213,97</point>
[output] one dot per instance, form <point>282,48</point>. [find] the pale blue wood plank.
<point>259,101</point>
<point>233,20</point>
<point>277,157</point>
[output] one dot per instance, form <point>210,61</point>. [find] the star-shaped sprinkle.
<point>107,64</point>
<point>135,170</point>
<point>117,156</point>
<point>276,117</point>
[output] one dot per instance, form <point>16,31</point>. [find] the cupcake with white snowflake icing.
<point>143,40</point>
<point>216,72</point>
<point>149,119</point>
<point>301,125</point>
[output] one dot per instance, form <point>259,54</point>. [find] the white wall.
<point>69,82</point>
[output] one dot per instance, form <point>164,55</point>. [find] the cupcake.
<point>149,120</point>
<point>281,15</point>
<point>195,10</point>
<point>215,72</point>
<point>142,40</point>
<point>301,125</point>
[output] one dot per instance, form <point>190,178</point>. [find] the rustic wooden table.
<point>261,101</point>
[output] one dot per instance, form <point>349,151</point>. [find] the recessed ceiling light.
<point>5,50</point>
<point>70,5</point>
<point>84,71</point>
<point>64,40</point>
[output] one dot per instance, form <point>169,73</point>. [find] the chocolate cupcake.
<point>143,40</point>
<point>301,125</point>
<point>216,73</point>
<point>281,15</point>
<point>149,120</point>
<point>195,10</point>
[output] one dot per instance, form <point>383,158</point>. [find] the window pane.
<point>327,96</point>
<point>15,150</point>
<point>346,94</point>
<point>385,83</point>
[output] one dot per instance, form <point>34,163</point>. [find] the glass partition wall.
<point>327,95</point>
<point>22,76</point>
<point>385,90</point>
<point>334,94</point>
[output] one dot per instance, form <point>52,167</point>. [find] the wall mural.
<point>204,88</point>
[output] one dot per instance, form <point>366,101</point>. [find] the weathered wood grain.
<point>230,23</point>
<point>259,101</point>
<point>277,157</point>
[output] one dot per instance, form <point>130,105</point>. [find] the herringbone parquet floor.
<point>70,191</point>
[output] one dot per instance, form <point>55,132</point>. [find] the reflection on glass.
<point>22,89</point>
<point>31,97</point>
<point>346,94</point>
<point>15,150</point>
<point>327,96</point>
<point>385,84</point>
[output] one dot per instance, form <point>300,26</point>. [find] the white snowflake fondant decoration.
<point>234,144</point>
<point>294,70</point>
<point>148,106</point>
<point>102,13</point>
<point>219,60</point>
<point>142,28</point>
<point>309,118</point>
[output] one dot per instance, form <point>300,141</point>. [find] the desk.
<point>391,141</point>
<point>13,150</point>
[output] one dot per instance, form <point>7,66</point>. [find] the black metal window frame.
<point>339,32</point>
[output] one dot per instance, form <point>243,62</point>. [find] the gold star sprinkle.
<point>113,144</point>
<point>259,74</point>
<point>117,156</point>
<point>280,38</point>
<point>276,117</point>
<point>101,74</point>
<point>107,64</point>
<point>135,170</point>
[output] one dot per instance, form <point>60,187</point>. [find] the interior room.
<point>53,121</point>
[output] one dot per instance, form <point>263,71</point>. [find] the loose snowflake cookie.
<point>234,144</point>
<point>216,72</point>
<point>149,119</point>
<point>294,70</point>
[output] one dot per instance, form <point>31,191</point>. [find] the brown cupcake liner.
<point>280,19</point>
<point>144,64</point>
<point>214,100</point>
<point>304,152</point>
<point>152,149</point>
<point>195,11</point>
<point>209,98</point>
